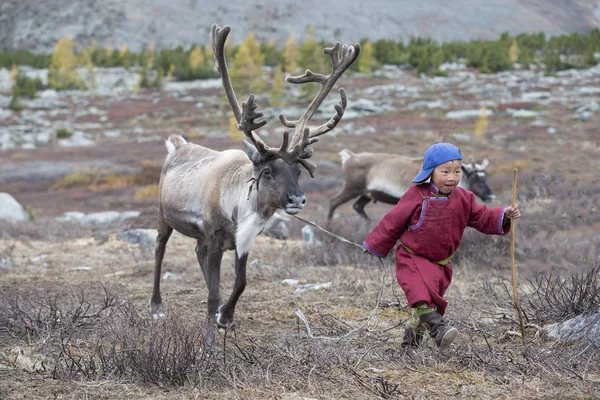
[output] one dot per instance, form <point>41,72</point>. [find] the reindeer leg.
<point>359,206</point>
<point>338,200</point>
<point>164,233</point>
<point>225,314</point>
<point>213,278</point>
<point>201,255</point>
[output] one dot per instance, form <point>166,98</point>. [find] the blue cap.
<point>435,156</point>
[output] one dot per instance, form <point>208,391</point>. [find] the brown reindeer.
<point>385,177</point>
<point>223,199</point>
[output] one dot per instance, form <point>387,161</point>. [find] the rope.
<point>379,291</point>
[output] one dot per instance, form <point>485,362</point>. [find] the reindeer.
<point>223,199</point>
<point>385,177</point>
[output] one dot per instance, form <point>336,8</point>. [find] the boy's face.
<point>446,176</point>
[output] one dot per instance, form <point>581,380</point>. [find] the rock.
<point>276,227</point>
<point>313,286</point>
<point>464,114</point>
<point>5,263</point>
<point>308,236</point>
<point>522,113</point>
<point>291,282</point>
<point>145,238</point>
<point>516,105</point>
<point>169,276</point>
<point>82,268</point>
<point>11,210</point>
<point>97,219</point>
<point>582,327</point>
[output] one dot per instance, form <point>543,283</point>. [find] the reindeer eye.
<point>267,174</point>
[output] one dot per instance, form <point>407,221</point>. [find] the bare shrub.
<point>169,352</point>
<point>28,312</point>
<point>551,297</point>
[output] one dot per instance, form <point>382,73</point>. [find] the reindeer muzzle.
<point>294,204</point>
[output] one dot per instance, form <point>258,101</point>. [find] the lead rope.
<point>379,291</point>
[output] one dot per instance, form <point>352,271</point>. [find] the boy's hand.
<point>512,213</point>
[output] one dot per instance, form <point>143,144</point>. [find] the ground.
<point>50,350</point>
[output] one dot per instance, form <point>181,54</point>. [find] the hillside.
<point>38,25</point>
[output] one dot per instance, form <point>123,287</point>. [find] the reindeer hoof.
<point>157,310</point>
<point>220,323</point>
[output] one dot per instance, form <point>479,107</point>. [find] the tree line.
<point>249,59</point>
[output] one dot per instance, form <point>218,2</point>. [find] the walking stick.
<point>512,257</point>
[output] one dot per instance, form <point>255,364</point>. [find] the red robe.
<point>432,228</point>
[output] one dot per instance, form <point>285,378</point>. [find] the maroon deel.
<point>430,228</point>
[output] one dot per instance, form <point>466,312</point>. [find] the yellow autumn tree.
<point>234,132</point>
<point>277,90</point>
<point>124,56</point>
<point>367,62</point>
<point>513,52</point>
<point>85,60</point>
<point>62,72</point>
<point>481,124</point>
<point>254,48</point>
<point>289,55</point>
<point>311,56</point>
<point>14,72</point>
<point>196,57</point>
<point>150,56</point>
<point>171,71</point>
<point>246,76</point>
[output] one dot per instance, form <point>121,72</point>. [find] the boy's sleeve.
<point>387,232</point>
<point>487,220</point>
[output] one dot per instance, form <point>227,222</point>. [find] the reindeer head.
<point>476,179</point>
<point>277,169</point>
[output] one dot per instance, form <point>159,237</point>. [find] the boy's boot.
<point>443,334</point>
<point>412,338</point>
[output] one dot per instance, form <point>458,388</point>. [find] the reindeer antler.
<point>298,150</point>
<point>339,64</point>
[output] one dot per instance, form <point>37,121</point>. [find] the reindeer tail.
<point>174,142</point>
<point>345,154</point>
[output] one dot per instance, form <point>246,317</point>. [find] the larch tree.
<point>366,61</point>
<point>85,60</point>
<point>277,92</point>
<point>245,74</point>
<point>62,72</point>
<point>124,56</point>
<point>290,52</point>
<point>311,56</point>
<point>196,57</point>
<point>254,48</point>
<point>513,52</point>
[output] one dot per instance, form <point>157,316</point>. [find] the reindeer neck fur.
<point>240,204</point>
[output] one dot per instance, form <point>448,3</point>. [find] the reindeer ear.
<point>485,163</point>
<point>467,168</point>
<point>252,153</point>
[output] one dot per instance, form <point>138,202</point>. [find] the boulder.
<point>11,210</point>
<point>583,327</point>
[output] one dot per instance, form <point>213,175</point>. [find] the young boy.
<point>429,220</point>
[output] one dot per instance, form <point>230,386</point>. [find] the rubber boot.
<point>442,334</point>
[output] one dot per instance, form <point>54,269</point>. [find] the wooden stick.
<point>512,257</point>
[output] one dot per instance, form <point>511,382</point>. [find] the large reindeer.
<point>385,177</point>
<point>223,199</point>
